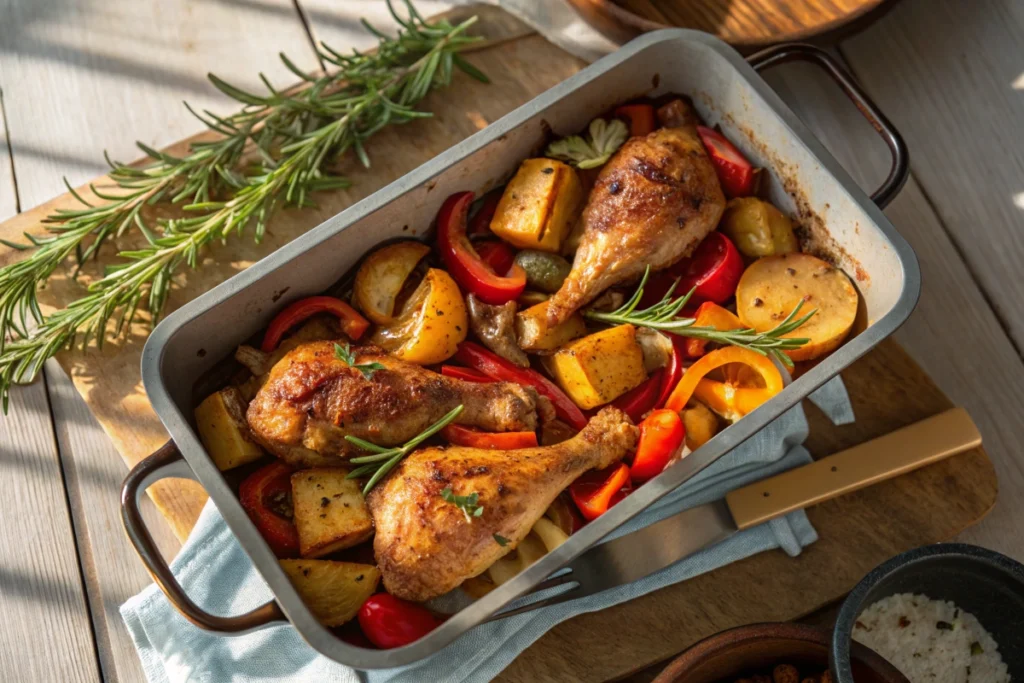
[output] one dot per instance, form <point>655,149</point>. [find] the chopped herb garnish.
<point>603,138</point>
<point>345,355</point>
<point>501,540</point>
<point>468,504</point>
<point>943,625</point>
<point>977,649</point>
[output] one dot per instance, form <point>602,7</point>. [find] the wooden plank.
<point>41,593</point>
<point>45,634</point>
<point>128,67</point>
<point>977,365</point>
<point>950,74</point>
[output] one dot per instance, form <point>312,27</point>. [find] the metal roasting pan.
<point>836,219</point>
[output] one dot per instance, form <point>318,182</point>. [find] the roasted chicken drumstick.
<point>426,546</point>
<point>312,399</point>
<point>652,204</point>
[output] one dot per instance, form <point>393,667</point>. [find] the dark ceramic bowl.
<point>757,648</point>
<point>988,585</point>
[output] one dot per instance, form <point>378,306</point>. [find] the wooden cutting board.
<point>747,25</point>
<point>857,532</point>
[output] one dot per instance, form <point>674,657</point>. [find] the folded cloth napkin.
<point>218,575</point>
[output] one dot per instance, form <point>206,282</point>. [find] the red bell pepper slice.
<point>673,371</point>
<point>459,435</point>
<point>266,495</point>
<point>735,173</point>
<point>714,270</point>
<point>352,323</point>
<point>493,365</point>
<point>642,398</point>
<point>596,491</point>
<point>662,435</point>
<point>465,374</point>
<point>391,622</point>
<point>639,117</point>
<point>498,255</point>
<point>480,222</point>
<point>464,263</point>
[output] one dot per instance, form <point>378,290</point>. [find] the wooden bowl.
<point>738,652</point>
<point>747,25</point>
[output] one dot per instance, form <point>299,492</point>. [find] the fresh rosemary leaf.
<point>345,355</point>
<point>468,504</point>
<point>274,151</point>
<point>603,138</point>
<point>384,460</point>
<point>663,316</point>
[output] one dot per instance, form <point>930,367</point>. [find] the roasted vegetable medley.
<point>475,399</point>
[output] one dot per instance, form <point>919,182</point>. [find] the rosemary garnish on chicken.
<point>345,355</point>
<point>294,137</point>
<point>383,460</point>
<point>662,316</point>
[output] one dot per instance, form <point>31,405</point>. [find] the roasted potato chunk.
<point>330,513</point>
<point>220,420</point>
<point>773,286</point>
<point>701,424</point>
<point>334,591</point>
<point>539,206</point>
<point>758,228</point>
<point>534,334</point>
<point>600,367</point>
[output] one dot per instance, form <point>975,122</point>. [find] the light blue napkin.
<point>219,576</point>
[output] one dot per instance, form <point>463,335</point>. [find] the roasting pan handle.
<point>792,52</point>
<point>168,462</point>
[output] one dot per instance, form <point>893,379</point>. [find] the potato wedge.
<point>534,334</point>
<point>701,424</point>
<point>382,276</point>
<point>772,287</point>
<point>329,511</point>
<point>220,420</point>
<point>600,367</point>
<point>539,206</point>
<point>334,591</point>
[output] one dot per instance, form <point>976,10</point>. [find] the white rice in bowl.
<point>931,641</point>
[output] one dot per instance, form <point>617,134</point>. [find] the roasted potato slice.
<point>329,511</point>
<point>773,286</point>
<point>334,591</point>
<point>600,367</point>
<point>539,206</point>
<point>220,420</point>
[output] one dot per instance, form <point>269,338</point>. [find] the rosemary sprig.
<point>383,459</point>
<point>345,355</point>
<point>295,137</point>
<point>468,504</point>
<point>662,316</point>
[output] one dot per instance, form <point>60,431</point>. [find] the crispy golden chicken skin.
<point>312,400</point>
<point>426,546</point>
<point>652,204</point>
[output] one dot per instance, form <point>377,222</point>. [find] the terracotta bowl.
<point>727,656</point>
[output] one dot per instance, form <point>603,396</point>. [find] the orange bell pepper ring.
<point>736,395</point>
<point>710,314</point>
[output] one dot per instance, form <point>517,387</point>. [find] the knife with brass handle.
<point>645,551</point>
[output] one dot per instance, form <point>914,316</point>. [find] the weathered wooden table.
<point>80,76</point>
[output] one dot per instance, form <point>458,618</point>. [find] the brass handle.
<point>904,450</point>
<point>168,462</point>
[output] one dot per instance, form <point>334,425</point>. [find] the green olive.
<point>544,271</point>
<point>758,228</point>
